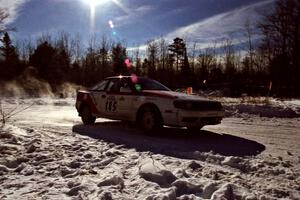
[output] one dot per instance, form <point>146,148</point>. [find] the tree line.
<point>270,63</point>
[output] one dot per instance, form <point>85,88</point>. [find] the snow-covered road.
<point>46,153</point>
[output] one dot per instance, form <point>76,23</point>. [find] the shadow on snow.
<point>170,141</point>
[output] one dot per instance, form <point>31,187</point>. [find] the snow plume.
<point>68,90</point>
<point>225,25</point>
<point>27,85</point>
<point>12,8</point>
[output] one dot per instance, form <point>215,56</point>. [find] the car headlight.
<point>186,105</point>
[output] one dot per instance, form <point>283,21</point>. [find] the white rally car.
<point>146,102</point>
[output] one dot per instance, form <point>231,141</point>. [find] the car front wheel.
<point>149,120</point>
<point>86,116</point>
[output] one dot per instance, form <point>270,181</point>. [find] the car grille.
<point>198,105</point>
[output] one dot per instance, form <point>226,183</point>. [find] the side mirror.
<point>125,90</point>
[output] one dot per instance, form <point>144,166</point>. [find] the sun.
<point>93,4</point>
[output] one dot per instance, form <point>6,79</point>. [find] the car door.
<point>119,100</point>
<point>99,96</point>
<point>109,99</point>
<point>125,100</point>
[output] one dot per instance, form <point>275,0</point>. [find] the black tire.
<point>86,116</point>
<point>149,120</point>
<point>193,129</point>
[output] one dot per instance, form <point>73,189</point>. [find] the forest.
<point>268,64</point>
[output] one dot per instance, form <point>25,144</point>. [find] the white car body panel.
<point>125,106</point>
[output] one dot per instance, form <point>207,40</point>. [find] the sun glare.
<point>93,4</point>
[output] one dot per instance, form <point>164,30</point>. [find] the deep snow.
<point>46,153</point>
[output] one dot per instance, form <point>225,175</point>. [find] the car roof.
<point>114,77</point>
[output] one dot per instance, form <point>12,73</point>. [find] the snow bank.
<point>263,110</point>
<point>184,187</point>
<point>230,191</point>
<point>154,171</point>
<point>40,159</point>
<point>261,106</point>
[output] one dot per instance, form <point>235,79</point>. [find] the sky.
<point>136,21</point>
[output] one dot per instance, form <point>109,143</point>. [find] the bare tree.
<point>3,16</point>
<point>281,41</point>
<point>4,116</point>
<point>152,55</point>
<point>137,61</point>
<point>249,33</point>
<point>193,56</point>
<point>206,60</point>
<point>76,48</point>
<point>229,58</point>
<point>63,43</point>
<point>163,53</point>
<point>45,37</point>
<point>25,48</point>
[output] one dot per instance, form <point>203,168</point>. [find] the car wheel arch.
<point>82,105</point>
<point>151,106</point>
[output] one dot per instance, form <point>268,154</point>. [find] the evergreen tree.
<point>178,53</point>
<point>119,56</point>
<point>51,64</point>
<point>104,58</point>
<point>42,59</point>
<point>9,64</point>
<point>91,67</point>
<point>63,61</point>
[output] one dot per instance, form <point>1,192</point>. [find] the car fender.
<point>84,98</point>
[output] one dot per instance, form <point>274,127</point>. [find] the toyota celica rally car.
<point>146,102</point>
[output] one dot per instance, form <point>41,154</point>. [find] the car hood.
<point>175,95</point>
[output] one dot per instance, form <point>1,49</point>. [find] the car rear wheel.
<point>86,116</point>
<point>149,120</point>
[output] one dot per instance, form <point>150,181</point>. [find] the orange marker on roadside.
<point>189,90</point>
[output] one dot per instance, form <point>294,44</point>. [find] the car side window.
<point>113,86</point>
<point>125,87</point>
<point>119,86</point>
<point>101,86</point>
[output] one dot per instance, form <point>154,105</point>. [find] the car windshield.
<point>149,84</point>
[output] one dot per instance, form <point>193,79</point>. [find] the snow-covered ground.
<point>46,153</point>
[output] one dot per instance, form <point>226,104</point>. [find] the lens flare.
<point>134,78</point>
<point>138,87</point>
<point>128,63</point>
<point>111,24</point>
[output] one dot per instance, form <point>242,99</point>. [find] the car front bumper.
<point>199,118</point>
